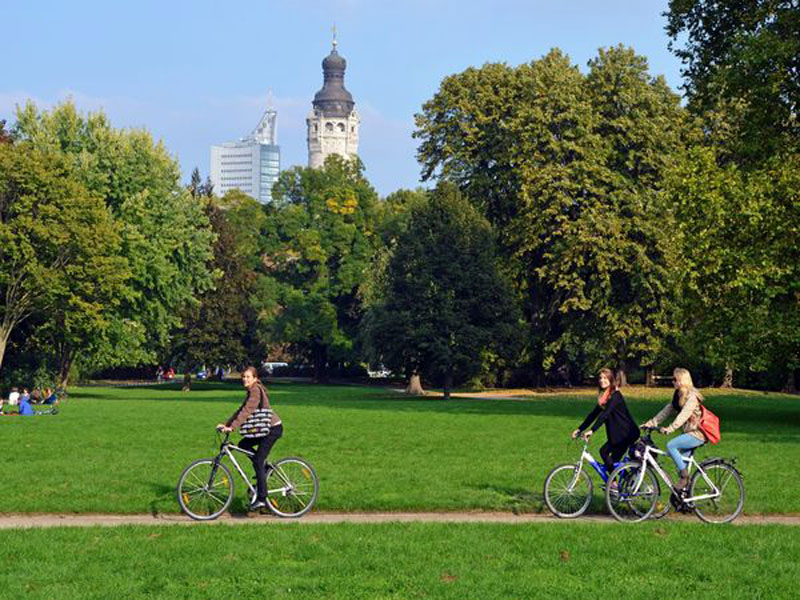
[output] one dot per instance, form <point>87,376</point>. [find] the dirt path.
<point>12,521</point>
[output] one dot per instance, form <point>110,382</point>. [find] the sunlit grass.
<point>421,560</point>
<point>122,450</point>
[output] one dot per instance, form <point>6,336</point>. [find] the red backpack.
<point>709,425</point>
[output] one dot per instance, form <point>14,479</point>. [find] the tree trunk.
<point>320,363</point>
<point>649,375</point>
<point>63,373</point>
<point>448,383</point>
<point>727,381</point>
<point>187,381</point>
<point>65,359</point>
<point>414,387</point>
<point>790,387</point>
<point>3,341</point>
<point>622,377</point>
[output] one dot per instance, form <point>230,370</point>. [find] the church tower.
<point>333,121</point>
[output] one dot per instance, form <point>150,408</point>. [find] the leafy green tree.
<point>220,328</point>
<point>319,242</point>
<point>166,238</point>
<point>59,251</point>
<point>745,56</point>
<point>568,169</point>
<point>740,280</point>
<point>195,183</point>
<point>444,302</point>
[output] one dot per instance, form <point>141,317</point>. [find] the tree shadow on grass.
<point>748,413</point>
<point>165,500</point>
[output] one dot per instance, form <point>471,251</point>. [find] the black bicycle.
<point>205,488</point>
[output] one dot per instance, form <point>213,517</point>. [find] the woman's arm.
<point>662,414</point>
<point>590,418</point>
<point>246,409</point>
<point>683,416</point>
<point>612,403</point>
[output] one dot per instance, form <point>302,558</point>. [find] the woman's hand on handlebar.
<point>575,434</point>
<point>586,435</point>
<point>223,428</point>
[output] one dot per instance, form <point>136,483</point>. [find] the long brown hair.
<point>613,383</point>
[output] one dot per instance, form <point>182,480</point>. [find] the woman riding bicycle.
<point>612,411</point>
<point>256,398</point>
<point>686,403</point>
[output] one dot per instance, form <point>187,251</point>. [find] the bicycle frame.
<point>228,448</point>
<point>648,460</point>
<point>599,468</point>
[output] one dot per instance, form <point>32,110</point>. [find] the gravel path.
<point>12,521</point>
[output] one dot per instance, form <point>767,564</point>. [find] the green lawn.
<point>122,450</point>
<point>555,560</point>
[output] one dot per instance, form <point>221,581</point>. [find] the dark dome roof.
<point>333,99</point>
<point>334,62</point>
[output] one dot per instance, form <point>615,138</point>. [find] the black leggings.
<point>264,445</point>
<point>612,453</point>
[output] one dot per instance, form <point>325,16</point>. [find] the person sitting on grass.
<point>686,404</point>
<point>25,407</point>
<point>50,397</point>
<point>256,398</point>
<point>612,411</point>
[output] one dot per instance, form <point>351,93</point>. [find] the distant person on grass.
<point>25,407</point>
<point>611,410</point>
<point>50,397</point>
<point>257,397</point>
<point>13,397</point>
<point>686,404</point>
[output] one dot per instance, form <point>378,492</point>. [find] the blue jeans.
<point>683,442</point>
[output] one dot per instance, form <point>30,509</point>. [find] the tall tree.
<point>319,241</point>
<point>59,249</point>
<point>567,167</point>
<point>744,55</point>
<point>220,328</point>
<point>740,280</point>
<point>195,183</point>
<point>165,234</point>
<point>444,302</point>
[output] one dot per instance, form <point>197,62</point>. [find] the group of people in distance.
<point>622,432</point>
<point>24,400</point>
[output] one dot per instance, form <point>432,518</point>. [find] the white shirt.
<point>13,398</point>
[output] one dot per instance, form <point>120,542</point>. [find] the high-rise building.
<point>252,164</point>
<point>333,121</point>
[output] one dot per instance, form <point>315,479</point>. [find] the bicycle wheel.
<point>632,493</point>
<point>292,487</point>
<point>568,493</point>
<point>725,507</point>
<point>204,490</point>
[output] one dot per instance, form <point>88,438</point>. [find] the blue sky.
<point>198,73</point>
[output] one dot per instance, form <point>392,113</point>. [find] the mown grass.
<point>122,450</point>
<point>555,560</point>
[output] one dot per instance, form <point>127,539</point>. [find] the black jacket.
<point>620,427</point>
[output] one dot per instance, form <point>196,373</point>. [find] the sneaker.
<point>257,504</point>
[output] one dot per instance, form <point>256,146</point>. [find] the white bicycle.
<point>715,492</point>
<point>205,488</point>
